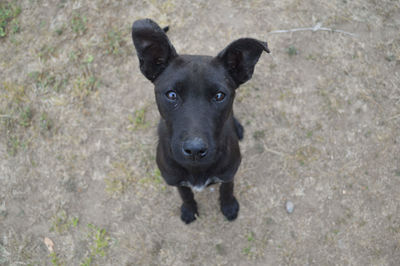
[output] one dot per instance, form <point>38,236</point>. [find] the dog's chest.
<point>197,187</point>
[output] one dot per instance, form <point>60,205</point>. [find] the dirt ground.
<point>78,135</point>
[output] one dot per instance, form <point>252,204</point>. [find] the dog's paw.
<point>188,213</point>
<point>230,210</point>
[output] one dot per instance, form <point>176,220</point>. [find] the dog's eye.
<point>171,95</point>
<point>219,96</point>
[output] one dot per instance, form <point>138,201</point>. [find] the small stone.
<point>289,206</point>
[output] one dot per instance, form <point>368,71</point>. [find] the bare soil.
<point>78,136</point>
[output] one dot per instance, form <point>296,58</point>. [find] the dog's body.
<point>198,134</point>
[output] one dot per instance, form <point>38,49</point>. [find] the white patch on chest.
<point>197,188</point>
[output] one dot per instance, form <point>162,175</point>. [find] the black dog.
<point>198,134</point>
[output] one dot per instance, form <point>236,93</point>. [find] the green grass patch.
<point>16,116</point>
<point>113,39</point>
<point>14,144</point>
<point>78,24</point>
<point>62,222</point>
<point>153,178</point>
<point>14,140</point>
<point>15,28</point>
<point>100,242</point>
<point>250,237</point>
<point>13,94</point>
<point>84,86</point>
<point>47,80</point>
<point>60,30</point>
<point>8,14</point>
<point>89,59</point>
<point>25,117</point>
<point>249,250</point>
<point>46,52</point>
<point>292,51</point>
<point>46,123</point>
<point>55,260</point>
<point>138,119</point>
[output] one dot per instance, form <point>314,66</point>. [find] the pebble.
<point>289,206</point>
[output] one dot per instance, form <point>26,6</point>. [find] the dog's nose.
<point>194,148</point>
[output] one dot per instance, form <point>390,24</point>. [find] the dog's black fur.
<point>198,134</point>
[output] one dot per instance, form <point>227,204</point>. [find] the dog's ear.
<point>153,48</point>
<point>240,57</point>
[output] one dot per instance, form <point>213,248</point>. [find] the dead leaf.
<point>49,244</point>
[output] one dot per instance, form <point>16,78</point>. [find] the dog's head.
<point>194,94</point>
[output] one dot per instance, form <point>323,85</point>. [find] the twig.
<point>5,116</point>
<point>273,151</point>
<point>317,27</point>
<point>393,117</point>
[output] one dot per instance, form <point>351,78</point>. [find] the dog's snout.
<point>194,148</point>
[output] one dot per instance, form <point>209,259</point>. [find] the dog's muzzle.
<point>194,149</point>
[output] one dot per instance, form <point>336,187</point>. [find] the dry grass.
<point>78,136</point>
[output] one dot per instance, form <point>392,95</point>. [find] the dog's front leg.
<point>229,204</point>
<point>189,206</point>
